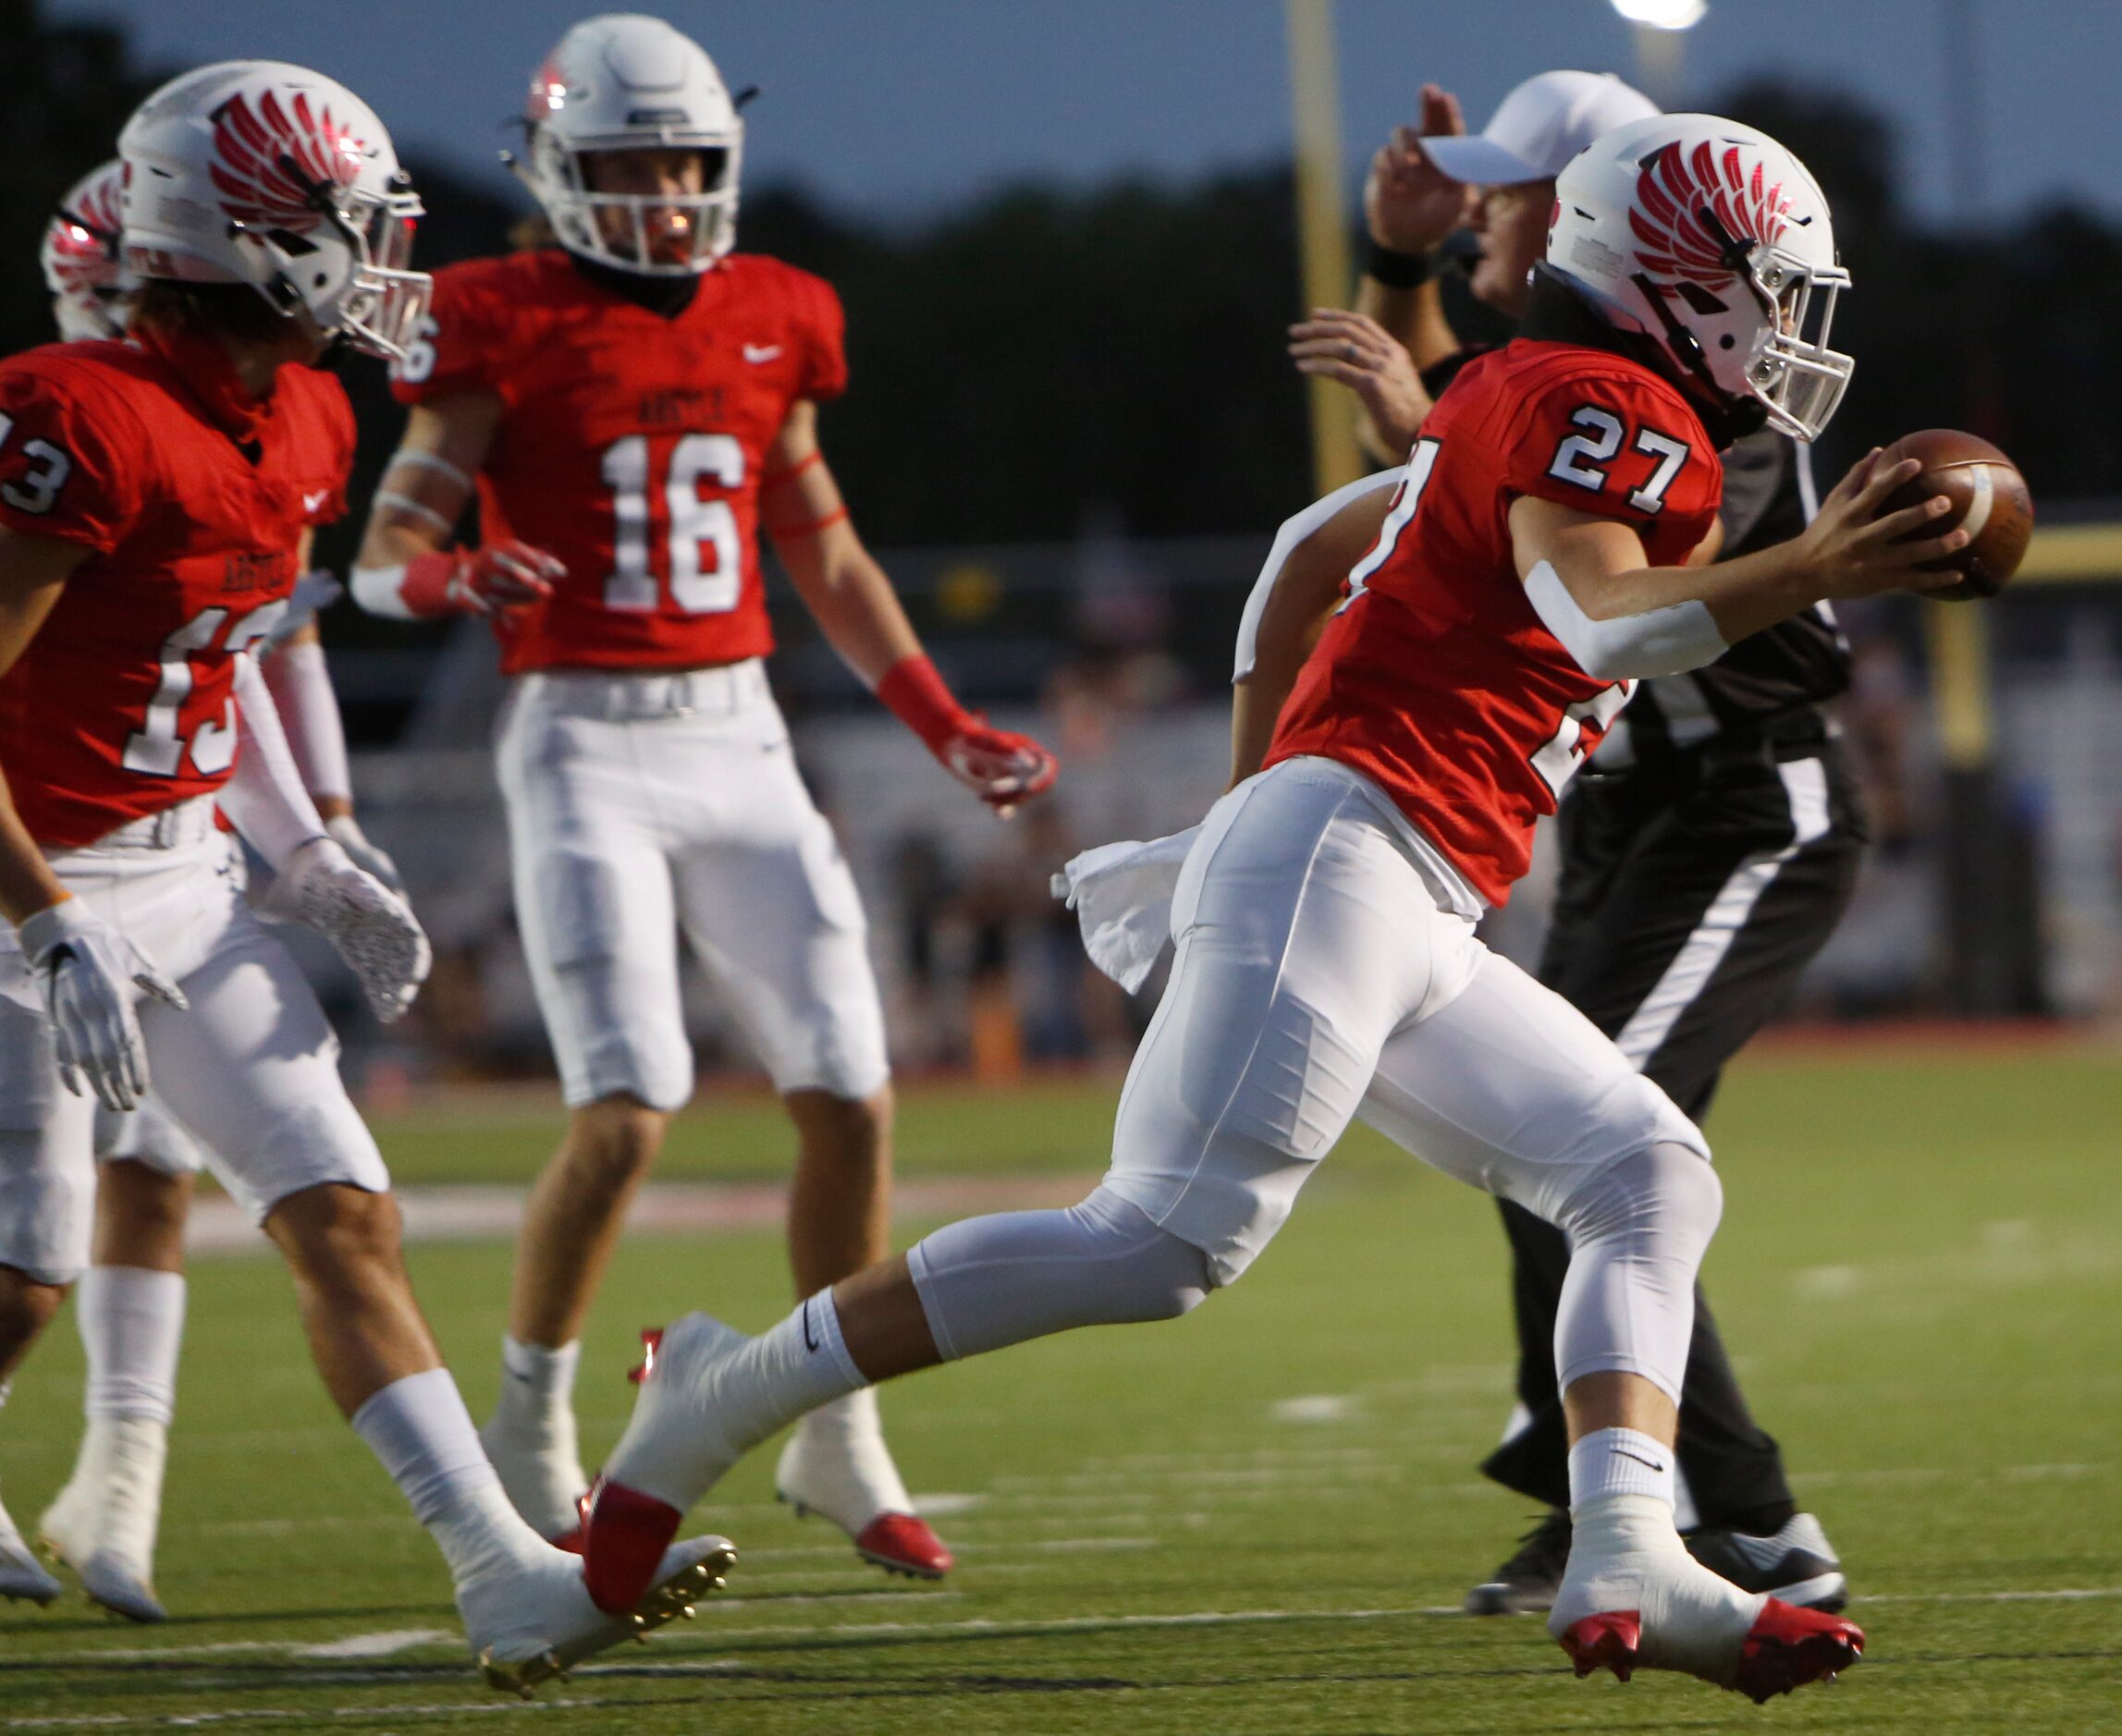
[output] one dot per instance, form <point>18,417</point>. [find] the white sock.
<point>1624,1555</point>
<point>420,1429</point>
<point>1620,1462</point>
<point>853,1417</point>
<point>789,1369</point>
<point>538,1384</point>
<point>751,1390</point>
<point>132,1323</point>
<point>1686,1515</point>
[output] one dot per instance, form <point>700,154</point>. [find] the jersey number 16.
<point>707,563</point>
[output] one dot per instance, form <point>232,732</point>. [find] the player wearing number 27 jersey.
<point>1438,681</point>
<point>1537,560</point>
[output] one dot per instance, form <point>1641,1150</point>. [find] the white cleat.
<point>541,1469</point>
<point>1633,1598</point>
<point>837,1465</point>
<point>21,1574</point>
<point>102,1524</point>
<point>527,1625</point>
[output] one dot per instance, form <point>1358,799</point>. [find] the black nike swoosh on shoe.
<point>1623,1452</point>
<point>809,1343</point>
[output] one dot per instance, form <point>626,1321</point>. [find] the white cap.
<point>1539,127</point>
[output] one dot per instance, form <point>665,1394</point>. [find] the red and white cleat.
<point>837,1465</point>
<point>1785,1649</point>
<point>530,1621</point>
<point>670,1455</point>
<point>1633,1598</point>
<point>904,1543</point>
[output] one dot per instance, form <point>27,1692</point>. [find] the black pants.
<point>1690,900</point>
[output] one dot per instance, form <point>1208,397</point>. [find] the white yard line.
<point>709,1637</point>
<point>492,1213</point>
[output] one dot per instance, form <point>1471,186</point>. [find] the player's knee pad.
<point>1637,1231</point>
<point>1664,1189</point>
<point>991,1281</point>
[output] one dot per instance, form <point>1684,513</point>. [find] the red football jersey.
<point>1437,678</point>
<point>123,704</point>
<point>631,445</point>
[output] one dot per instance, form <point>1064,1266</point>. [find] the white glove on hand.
<point>369,925</point>
<point>368,857</point>
<point>88,971</point>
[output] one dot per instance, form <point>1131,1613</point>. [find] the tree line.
<point>1040,354</point>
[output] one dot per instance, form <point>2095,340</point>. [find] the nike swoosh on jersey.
<point>761,352</point>
<point>312,501</point>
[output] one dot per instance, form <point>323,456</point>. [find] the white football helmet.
<point>628,82</point>
<point>1712,239</point>
<point>260,173</point>
<point>84,261</point>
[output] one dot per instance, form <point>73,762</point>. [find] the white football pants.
<point>641,803</point>
<point>251,1070</point>
<point>1317,978</point>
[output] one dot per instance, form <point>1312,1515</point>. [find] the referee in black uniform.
<point>1709,846</point>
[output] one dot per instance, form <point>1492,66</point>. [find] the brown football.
<point>1989,496</point>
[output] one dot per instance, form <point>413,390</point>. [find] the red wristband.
<point>429,587</point>
<point>914,693</point>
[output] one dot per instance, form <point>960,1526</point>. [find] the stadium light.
<point>1660,28</point>
<point>1662,15</point>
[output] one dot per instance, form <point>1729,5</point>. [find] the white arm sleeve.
<point>381,591</point>
<point>1294,531</point>
<point>264,798</point>
<point>1669,641</point>
<point>301,684</point>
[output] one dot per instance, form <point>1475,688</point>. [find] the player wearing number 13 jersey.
<point>152,497</point>
<point>638,404</point>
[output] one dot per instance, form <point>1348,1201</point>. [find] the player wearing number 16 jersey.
<point>638,404</point>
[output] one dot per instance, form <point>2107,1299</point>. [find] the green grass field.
<point>1258,1519</point>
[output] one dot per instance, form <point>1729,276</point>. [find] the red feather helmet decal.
<point>267,159</point>
<point>1673,191</point>
<point>82,248</point>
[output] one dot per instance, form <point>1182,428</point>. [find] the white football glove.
<point>369,925</point>
<point>88,971</point>
<point>370,857</point>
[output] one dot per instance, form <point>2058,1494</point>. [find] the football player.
<point>1706,856</point>
<point>129,1303</point>
<point>153,494</point>
<point>636,405</point>
<point>1534,564</point>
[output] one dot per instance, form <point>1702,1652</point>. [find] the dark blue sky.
<point>897,107</point>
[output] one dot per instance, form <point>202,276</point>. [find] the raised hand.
<point>1409,204</point>
<point>1356,350</point>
